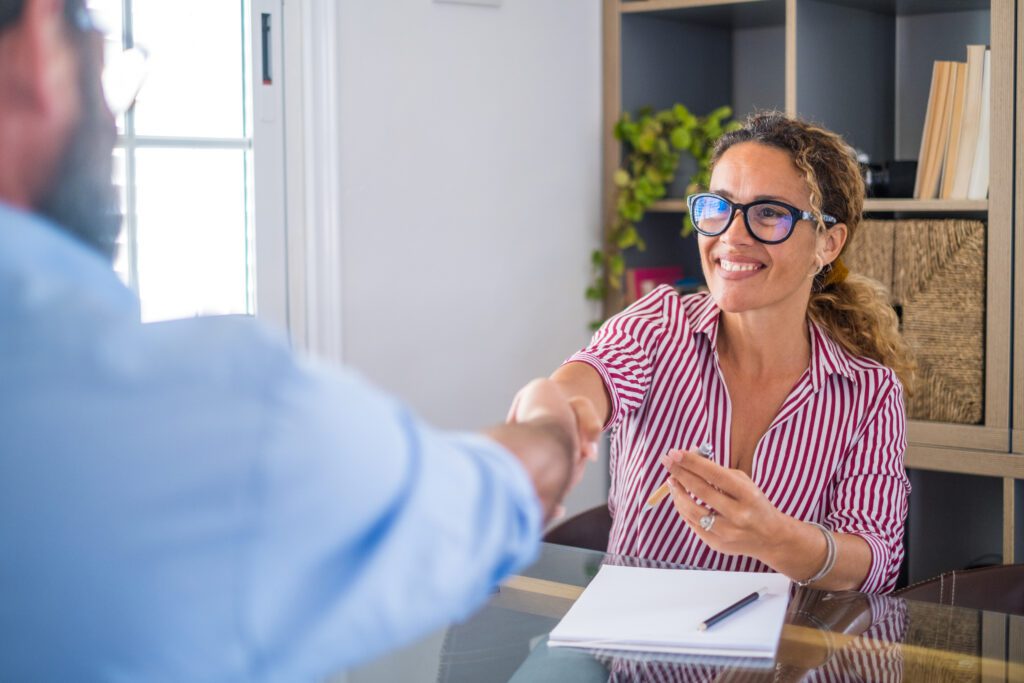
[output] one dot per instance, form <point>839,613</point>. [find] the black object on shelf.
<point>892,179</point>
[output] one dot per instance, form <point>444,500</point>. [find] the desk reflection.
<point>826,637</point>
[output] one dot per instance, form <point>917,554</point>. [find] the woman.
<point>790,369</point>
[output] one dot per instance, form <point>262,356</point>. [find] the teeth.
<point>734,267</point>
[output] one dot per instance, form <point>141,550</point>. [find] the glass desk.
<point>826,637</point>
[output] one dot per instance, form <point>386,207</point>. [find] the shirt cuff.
<point>514,475</point>
<point>879,578</point>
<point>596,363</point>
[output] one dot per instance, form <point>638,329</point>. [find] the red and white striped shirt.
<point>833,454</point>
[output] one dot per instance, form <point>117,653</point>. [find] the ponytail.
<point>856,314</point>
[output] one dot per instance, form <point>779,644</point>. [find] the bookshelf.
<point>868,81</point>
<point>1013,489</point>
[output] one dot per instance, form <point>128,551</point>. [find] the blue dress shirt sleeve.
<point>372,528</point>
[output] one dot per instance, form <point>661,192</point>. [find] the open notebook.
<point>658,610</point>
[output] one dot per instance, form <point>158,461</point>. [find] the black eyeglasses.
<point>767,220</point>
<point>124,71</point>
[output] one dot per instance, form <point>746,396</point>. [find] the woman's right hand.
<point>545,399</point>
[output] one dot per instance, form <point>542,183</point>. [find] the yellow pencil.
<point>662,491</point>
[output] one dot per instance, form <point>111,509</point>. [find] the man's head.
<point>56,133</point>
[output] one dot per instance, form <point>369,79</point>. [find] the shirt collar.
<point>827,357</point>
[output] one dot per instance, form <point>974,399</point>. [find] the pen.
<point>662,491</point>
<point>732,609</point>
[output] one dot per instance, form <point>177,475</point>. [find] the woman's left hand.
<point>745,521</point>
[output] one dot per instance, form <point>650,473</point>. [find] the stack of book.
<point>954,158</point>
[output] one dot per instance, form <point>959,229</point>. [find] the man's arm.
<point>375,528</point>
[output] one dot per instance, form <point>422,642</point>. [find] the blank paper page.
<point>640,608</point>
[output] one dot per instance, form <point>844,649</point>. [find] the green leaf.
<point>621,178</point>
<point>633,211</point>
<point>626,239</point>
<point>723,112</point>
<point>681,138</point>
<point>645,142</point>
<point>597,258</point>
<point>617,265</point>
<point>629,132</point>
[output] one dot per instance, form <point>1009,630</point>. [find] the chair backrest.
<point>588,529</point>
<point>998,589</point>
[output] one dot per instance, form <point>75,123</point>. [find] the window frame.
<point>267,294</point>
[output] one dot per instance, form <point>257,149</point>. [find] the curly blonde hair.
<point>854,310</point>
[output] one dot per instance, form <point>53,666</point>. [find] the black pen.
<point>732,609</point>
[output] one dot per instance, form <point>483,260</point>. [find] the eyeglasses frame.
<point>796,213</point>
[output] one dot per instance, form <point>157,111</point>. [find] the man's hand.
<point>545,398</point>
<point>553,436</point>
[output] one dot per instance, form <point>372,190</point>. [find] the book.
<point>645,609</point>
<point>642,281</point>
<point>945,125</point>
<point>971,121</point>
<point>959,93</point>
<point>933,142</point>
<point>933,94</point>
<point>977,188</point>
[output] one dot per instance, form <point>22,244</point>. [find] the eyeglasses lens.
<point>711,214</point>
<point>769,222</point>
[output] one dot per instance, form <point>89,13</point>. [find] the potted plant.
<point>654,142</point>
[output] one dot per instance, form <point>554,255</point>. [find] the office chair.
<point>588,529</point>
<point>999,589</point>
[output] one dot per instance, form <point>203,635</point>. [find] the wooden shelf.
<point>660,5</point>
<point>669,206</point>
<point>870,205</point>
<point>925,205</point>
<point>965,461</point>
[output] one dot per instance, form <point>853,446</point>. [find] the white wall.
<point>470,198</point>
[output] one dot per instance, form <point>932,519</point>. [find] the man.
<point>188,500</point>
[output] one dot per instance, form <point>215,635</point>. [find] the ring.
<point>708,521</point>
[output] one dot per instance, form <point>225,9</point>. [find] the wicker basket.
<point>935,270</point>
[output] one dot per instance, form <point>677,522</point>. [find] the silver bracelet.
<point>830,556</point>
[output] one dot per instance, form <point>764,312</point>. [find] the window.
<point>185,157</point>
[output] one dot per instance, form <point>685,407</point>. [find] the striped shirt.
<point>832,455</point>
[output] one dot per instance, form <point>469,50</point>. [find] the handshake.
<point>553,433</point>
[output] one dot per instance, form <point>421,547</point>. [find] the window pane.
<point>195,86</point>
<point>192,235</point>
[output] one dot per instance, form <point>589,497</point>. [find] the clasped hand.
<point>745,521</point>
<point>543,400</point>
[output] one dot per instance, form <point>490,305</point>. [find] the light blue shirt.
<point>188,501</point>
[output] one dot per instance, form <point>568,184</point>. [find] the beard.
<point>82,198</point>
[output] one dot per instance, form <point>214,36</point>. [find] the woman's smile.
<point>732,267</point>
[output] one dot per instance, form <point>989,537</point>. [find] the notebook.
<point>658,610</point>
